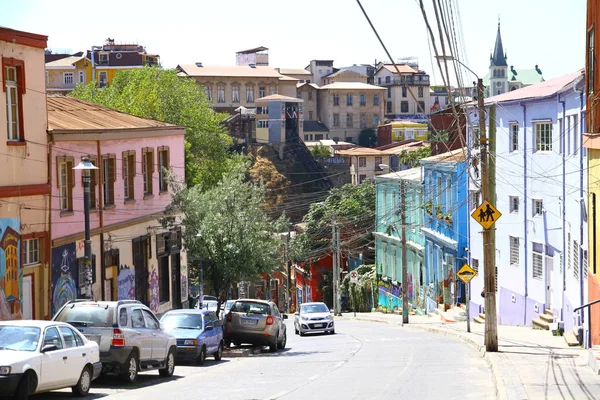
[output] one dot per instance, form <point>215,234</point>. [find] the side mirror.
<point>285,316</point>
<point>49,347</point>
<point>208,328</point>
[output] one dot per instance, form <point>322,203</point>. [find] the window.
<point>102,78</point>
<point>52,338</point>
<point>543,136</point>
<point>336,99</point>
<point>376,99</point>
<point>163,279</point>
<point>70,337</point>
<point>388,106</point>
<point>387,79</point>
<point>575,134</point>
<point>362,99</point>
<point>262,123</point>
<point>81,76</point>
<point>31,251</point>
<point>108,186</point>
<point>66,182</point>
<point>404,106</point>
<point>514,251</point>
<point>538,207</point>
<point>349,120</point>
<point>514,137</point>
<point>208,92</point>
<point>150,320</point>
<point>249,94</point>
<point>474,196</point>
<point>575,255</point>
<point>93,182</point>
<point>420,91</point>
<point>47,78</point>
<point>379,80</point>
<point>389,93</point>
<point>375,120</point>
<point>568,255</point>
<point>361,178</point>
<point>310,116</point>
<point>262,110</point>
<point>163,168</point>
<point>404,92</point>
<point>363,120</point>
<point>538,262</point>
<point>68,78</point>
<point>235,94</point>
<point>123,316</point>
<point>475,265</point>
<point>103,59</point>
<point>220,94</point>
<point>272,90</point>
<point>336,120</point>
<point>421,109</point>
<point>591,61</point>
<point>262,91</point>
<point>310,95</point>
<point>14,86</point>
<point>129,175</point>
<point>513,203</point>
<point>362,162</point>
<point>147,169</point>
<point>137,319</point>
<point>378,160</point>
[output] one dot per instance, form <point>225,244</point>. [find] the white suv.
<point>128,334</point>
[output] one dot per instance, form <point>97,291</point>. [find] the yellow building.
<point>10,245</point>
<point>64,74</point>
<point>405,130</point>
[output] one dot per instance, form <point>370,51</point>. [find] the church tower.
<point>498,68</point>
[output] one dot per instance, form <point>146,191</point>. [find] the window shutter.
<point>124,160</point>
<point>112,167</point>
<point>58,161</point>
<point>71,173</point>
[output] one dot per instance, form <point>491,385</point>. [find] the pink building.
<point>134,256</point>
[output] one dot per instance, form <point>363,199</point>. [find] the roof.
<point>231,71</point>
<point>279,97</point>
<point>405,145</point>
<point>313,85</point>
<point>352,85</point>
<point>413,174</point>
<point>287,78</point>
<point>400,123</point>
<point>458,155</point>
<point>64,62</point>
<point>542,89</point>
<point>293,71</point>
<point>360,151</point>
<point>190,310</point>
<point>345,72</point>
<point>33,322</point>
<point>69,113</point>
<point>254,50</point>
<point>315,126</point>
<point>525,76</point>
<point>403,68</point>
<point>23,38</point>
<point>498,58</point>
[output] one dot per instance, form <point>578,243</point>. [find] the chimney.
<point>199,64</point>
<point>252,65</point>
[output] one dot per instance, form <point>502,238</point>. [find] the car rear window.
<point>250,307</point>
<point>87,315</point>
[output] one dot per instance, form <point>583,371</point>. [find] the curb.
<point>497,377</point>
<point>238,353</point>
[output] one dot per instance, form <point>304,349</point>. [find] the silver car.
<point>313,317</point>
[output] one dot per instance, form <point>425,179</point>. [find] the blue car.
<point>199,333</point>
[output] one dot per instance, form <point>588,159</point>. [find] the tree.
<point>320,150</point>
<point>411,158</point>
<point>367,137</point>
<point>162,95</point>
<point>227,226</point>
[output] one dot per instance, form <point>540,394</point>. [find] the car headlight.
<point>329,318</point>
<point>5,370</point>
<point>190,342</point>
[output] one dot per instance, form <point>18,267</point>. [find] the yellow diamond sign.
<point>466,273</point>
<point>486,214</point>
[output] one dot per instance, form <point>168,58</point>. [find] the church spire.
<point>498,58</point>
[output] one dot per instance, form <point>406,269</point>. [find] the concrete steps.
<point>454,314</point>
<point>594,359</point>
<point>544,320</point>
<point>480,319</point>
<point>572,338</point>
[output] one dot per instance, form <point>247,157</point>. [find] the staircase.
<point>544,321</point>
<point>480,319</point>
<point>572,338</point>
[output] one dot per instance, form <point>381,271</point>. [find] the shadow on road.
<point>143,380</point>
<point>60,395</point>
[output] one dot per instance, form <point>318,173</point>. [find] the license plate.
<point>318,325</point>
<point>250,322</point>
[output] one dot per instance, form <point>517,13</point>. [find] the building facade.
<point>24,183</point>
<point>63,75</point>
<point>364,163</point>
<point>402,90</point>
<point>134,257</point>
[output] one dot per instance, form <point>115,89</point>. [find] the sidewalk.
<point>530,364</point>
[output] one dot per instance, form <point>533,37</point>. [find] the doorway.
<point>140,263</point>
<point>549,269</point>
<point>176,280</point>
<point>27,297</point>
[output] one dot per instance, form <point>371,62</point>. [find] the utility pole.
<point>491,327</point>
<point>404,255</point>
<point>334,261</point>
<point>288,261</point>
<point>338,299</point>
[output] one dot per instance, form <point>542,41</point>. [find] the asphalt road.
<point>362,360</point>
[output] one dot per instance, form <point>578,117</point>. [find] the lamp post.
<point>86,166</point>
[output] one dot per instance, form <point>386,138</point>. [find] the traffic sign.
<point>486,214</point>
<point>353,276</point>
<point>466,273</point>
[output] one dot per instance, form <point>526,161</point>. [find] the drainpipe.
<point>99,194</point>
<point>48,279</point>
<point>581,271</point>
<point>564,209</point>
<point>525,238</point>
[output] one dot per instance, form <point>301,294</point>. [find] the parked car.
<point>255,322</point>
<point>39,356</point>
<point>313,317</point>
<point>225,308</point>
<point>128,334</point>
<point>198,332</point>
<point>210,305</point>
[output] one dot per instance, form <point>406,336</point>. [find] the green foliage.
<point>367,137</point>
<point>411,158</point>
<point>161,95</point>
<point>320,150</point>
<point>360,293</point>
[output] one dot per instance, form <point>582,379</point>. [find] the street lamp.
<point>86,166</point>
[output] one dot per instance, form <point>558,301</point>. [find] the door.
<point>27,297</point>
<point>77,354</point>
<point>141,334</point>
<point>210,335</point>
<point>140,262</point>
<point>54,363</point>
<point>176,280</point>
<point>160,339</point>
<point>549,269</point>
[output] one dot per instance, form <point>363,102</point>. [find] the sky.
<point>549,33</point>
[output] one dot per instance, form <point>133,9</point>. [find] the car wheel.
<point>281,345</point>
<point>273,345</point>
<point>130,367</point>
<point>219,352</point>
<point>237,344</point>
<point>302,333</point>
<point>169,368</point>
<point>82,388</point>
<point>332,332</point>
<point>296,329</point>
<point>228,344</point>
<point>201,357</point>
<point>26,385</point>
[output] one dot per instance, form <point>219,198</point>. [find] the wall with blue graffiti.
<point>11,273</point>
<point>65,276</point>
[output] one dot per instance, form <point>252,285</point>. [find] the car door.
<point>141,335</point>
<point>279,319</point>
<point>212,334</point>
<point>207,331</point>
<point>160,339</point>
<point>218,331</point>
<point>53,369</point>
<point>76,353</point>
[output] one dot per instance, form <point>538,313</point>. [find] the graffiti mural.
<point>184,283</point>
<point>390,296</point>
<point>64,275</point>
<point>126,282</point>
<point>153,288</point>
<point>11,274</point>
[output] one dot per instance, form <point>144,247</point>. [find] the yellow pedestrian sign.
<point>466,273</point>
<point>486,214</point>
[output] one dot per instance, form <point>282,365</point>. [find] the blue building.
<point>445,225</point>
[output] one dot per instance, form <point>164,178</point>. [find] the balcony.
<point>409,80</point>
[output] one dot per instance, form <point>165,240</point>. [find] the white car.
<point>39,356</point>
<point>313,317</point>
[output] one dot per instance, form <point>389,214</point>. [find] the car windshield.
<point>185,321</point>
<point>209,304</point>
<point>24,338</point>
<point>250,307</point>
<point>86,315</point>
<point>228,305</point>
<point>313,308</point>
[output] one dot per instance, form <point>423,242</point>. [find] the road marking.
<point>276,395</point>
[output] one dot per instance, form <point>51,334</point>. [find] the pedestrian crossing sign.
<point>486,214</point>
<point>466,273</point>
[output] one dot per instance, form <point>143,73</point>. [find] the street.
<point>362,360</point>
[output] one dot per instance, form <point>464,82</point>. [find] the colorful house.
<point>388,245</point>
<point>64,74</point>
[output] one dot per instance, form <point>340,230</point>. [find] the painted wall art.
<point>64,275</point>
<point>11,274</point>
<point>126,283</point>
<point>153,288</point>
